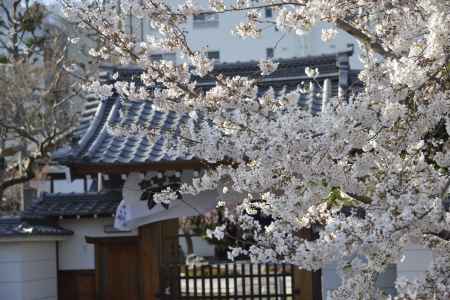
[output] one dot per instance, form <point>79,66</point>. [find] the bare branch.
<point>21,132</point>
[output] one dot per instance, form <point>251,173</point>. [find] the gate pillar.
<point>307,285</point>
<point>154,251</point>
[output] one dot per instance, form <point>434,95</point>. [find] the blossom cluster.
<point>365,178</point>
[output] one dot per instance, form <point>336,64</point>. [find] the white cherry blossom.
<point>328,34</point>
<point>369,175</point>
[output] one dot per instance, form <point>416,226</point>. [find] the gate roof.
<point>95,149</point>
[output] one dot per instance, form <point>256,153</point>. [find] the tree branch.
<point>6,12</point>
<point>29,174</point>
<point>20,132</point>
<point>372,43</point>
<point>437,240</point>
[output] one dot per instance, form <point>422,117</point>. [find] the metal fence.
<point>235,281</point>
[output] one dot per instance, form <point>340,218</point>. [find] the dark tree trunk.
<point>189,242</point>
<point>8,206</point>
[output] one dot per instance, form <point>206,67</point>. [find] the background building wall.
<point>415,262</point>
<point>201,246</point>
<point>74,252</point>
<point>331,280</point>
<point>28,271</point>
<point>217,35</point>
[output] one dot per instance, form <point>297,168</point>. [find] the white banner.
<point>133,212</point>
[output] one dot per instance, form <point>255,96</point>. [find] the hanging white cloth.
<point>133,212</point>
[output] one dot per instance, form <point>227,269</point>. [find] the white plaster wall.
<point>10,274</point>
<point>74,252</point>
<point>415,262</point>
<point>331,280</point>
<point>28,271</point>
<point>201,247</point>
<point>61,186</point>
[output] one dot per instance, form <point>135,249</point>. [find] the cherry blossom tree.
<point>369,175</point>
<point>39,90</point>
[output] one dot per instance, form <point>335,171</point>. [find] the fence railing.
<point>236,281</point>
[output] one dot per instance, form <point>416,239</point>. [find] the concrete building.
<point>213,32</point>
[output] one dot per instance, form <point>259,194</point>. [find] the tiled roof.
<point>290,68</point>
<point>290,71</point>
<point>96,145</point>
<point>19,227</point>
<point>99,146</point>
<point>74,205</point>
<point>90,108</point>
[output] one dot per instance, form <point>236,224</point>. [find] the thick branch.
<point>29,174</point>
<point>437,240</point>
<point>6,12</point>
<point>445,190</point>
<point>372,43</point>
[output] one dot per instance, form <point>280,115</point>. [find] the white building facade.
<point>213,33</point>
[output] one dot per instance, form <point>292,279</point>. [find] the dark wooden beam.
<point>79,169</point>
<point>106,240</point>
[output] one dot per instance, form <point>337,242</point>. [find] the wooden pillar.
<point>149,250</point>
<point>170,258</point>
<point>98,271</point>
<point>307,285</point>
<point>170,241</point>
<point>155,250</point>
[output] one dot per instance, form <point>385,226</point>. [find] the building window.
<point>268,12</point>
<point>213,55</point>
<point>156,56</point>
<point>269,53</point>
<point>164,56</point>
<point>206,20</point>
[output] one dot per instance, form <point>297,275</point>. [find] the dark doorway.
<point>117,269</point>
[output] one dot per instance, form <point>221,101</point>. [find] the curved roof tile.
<point>97,145</point>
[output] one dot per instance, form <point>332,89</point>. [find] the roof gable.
<point>98,146</point>
<point>74,205</point>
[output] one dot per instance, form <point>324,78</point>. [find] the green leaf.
<point>338,198</point>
